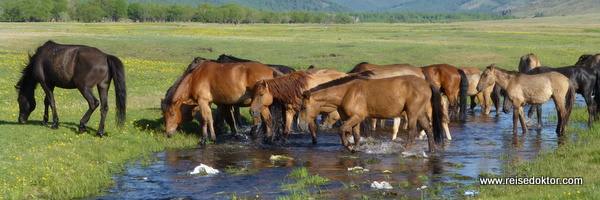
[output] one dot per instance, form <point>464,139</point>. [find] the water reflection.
<point>482,145</point>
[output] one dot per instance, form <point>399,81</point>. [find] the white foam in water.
<point>204,168</point>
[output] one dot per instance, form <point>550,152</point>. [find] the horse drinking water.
<point>72,67</point>
<point>213,82</point>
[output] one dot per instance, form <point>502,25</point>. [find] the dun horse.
<point>528,62</point>
<point>212,82</point>
<point>586,81</point>
<point>72,67</point>
<point>356,99</point>
<point>486,98</point>
<point>523,89</point>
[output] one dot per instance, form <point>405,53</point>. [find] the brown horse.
<point>528,62</point>
<point>356,99</point>
<point>72,66</point>
<point>485,97</point>
<point>288,89</point>
<point>453,82</point>
<point>400,69</point>
<point>589,60</point>
<point>212,82</point>
<point>407,68</point>
<point>536,89</point>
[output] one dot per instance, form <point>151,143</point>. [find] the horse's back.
<point>388,96</point>
<point>528,62</point>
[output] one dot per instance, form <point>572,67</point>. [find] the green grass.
<point>39,162</point>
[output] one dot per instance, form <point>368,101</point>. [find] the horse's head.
<point>196,63</point>
<point>26,104</point>
<point>584,60</point>
<point>261,98</point>
<point>309,110</point>
<point>173,117</point>
<point>487,78</point>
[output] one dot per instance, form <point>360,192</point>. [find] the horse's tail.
<point>437,114</point>
<point>596,93</point>
<point>118,73</point>
<point>570,102</point>
<point>462,93</point>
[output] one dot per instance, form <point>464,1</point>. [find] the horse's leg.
<point>382,123</point>
<point>473,103</point>
<point>346,130</point>
<point>395,128</point>
<point>515,118</point>
<point>412,132</point>
<point>482,101</point>
<point>562,114</point>
<point>268,120</point>
<point>207,121</point>
<point>289,119</point>
<point>591,106</point>
<point>522,119</point>
<point>373,124</point>
<point>103,93</point>
<point>46,106</point>
<point>424,122</point>
<point>539,115</point>
<point>49,90</point>
<point>356,136</point>
<point>93,103</point>
<point>313,130</point>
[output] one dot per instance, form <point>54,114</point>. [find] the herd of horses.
<point>279,96</point>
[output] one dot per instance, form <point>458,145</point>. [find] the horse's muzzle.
<point>23,120</point>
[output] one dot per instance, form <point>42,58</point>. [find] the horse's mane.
<point>168,100</point>
<point>288,87</point>
<point>357,66</point>
<point>507,71</point>
<point>27,73</point>
<point>362,75</point>
<point>231,58</point>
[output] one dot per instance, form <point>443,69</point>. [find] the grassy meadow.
<point>39,162</point>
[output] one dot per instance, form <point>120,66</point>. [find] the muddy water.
<point>482,145</point>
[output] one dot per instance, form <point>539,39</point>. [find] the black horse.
<point>281,68</point>
<point>586,81</point>
<point>72,66</point>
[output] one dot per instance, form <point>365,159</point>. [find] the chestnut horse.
<point>453,82</point>
<point>356,99</point>
<point>364,66</point>
<point>212,82</point>
<point>288,89</point>
<point>72,66</point>
<point>536,89</point>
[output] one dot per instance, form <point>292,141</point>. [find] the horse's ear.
<point>492,66</point>
<point>306,95</point>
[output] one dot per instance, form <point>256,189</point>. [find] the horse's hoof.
<point>100,135</point>
<point>55,126</point>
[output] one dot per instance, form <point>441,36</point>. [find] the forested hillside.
<point>273,5</point>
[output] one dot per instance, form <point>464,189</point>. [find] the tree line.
<point>119,10</point>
